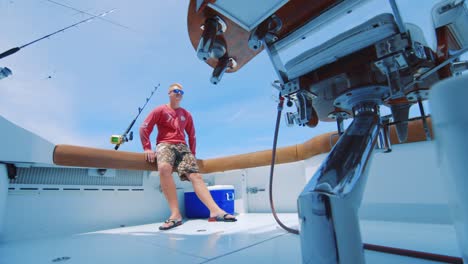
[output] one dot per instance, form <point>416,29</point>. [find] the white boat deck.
<point>253,238</point>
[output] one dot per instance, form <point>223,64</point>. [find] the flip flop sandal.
<point>173,223</point>
<point>222,218</point>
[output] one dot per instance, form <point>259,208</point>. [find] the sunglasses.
<point>178,91</point>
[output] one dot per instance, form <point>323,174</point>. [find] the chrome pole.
<point>328,205</point>
<point>424,120</point>
<point>397,15</point>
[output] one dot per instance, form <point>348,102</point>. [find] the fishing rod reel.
<point>302,99</point>
<point>4,72</point>
<point>120,139</point>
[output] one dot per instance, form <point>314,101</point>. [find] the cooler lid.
<point>220,187</point>
<point>214,187</point>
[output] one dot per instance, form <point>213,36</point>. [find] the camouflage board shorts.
<point>179,156</point>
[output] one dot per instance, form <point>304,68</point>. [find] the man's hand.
<point>150,155</point>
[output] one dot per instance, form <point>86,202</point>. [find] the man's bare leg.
<point>169,189</point>
<point>205,196</point>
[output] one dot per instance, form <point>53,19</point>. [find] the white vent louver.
<point>75,176</point>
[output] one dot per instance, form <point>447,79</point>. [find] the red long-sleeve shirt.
<point>171,125</point>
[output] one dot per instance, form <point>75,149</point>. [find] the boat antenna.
<point>120,139</point>
<point>16,49</point>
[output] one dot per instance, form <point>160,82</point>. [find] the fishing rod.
<point>120,139</point>
<point>16,49</point>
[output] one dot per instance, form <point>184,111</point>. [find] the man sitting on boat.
<point>172,153</point>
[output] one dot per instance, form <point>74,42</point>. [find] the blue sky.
<point>101,73</point>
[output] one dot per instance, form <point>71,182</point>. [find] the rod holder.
<point>213,26</point>
<point>264,32</point>
<point>221,67</point>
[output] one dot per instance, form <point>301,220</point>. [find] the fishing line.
<point>84,12</point>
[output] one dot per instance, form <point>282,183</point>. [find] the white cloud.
<point>42,107</point>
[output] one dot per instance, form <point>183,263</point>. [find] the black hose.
<point>272,168</point>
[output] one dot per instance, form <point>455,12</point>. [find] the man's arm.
<point>190,129</point>
<point>147,127</point>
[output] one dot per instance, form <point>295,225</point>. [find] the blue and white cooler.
<point>223,195</point>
